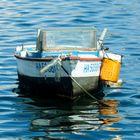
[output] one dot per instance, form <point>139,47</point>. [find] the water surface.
<point>29,118</point>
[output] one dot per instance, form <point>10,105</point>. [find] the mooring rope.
<point>58,61</point>
<point>85,91</point>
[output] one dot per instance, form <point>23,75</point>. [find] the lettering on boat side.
<point>91,67</point>
<point>81,68</point>
<point>41,65</point>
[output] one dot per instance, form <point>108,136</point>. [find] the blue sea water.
<point>24,118</point>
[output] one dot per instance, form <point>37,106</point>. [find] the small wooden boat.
<point>64,62</point>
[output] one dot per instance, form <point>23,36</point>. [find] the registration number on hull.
<point>79,68</point>
<point>91,68</point>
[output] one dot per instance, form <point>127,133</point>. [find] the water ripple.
<point>29,118</point>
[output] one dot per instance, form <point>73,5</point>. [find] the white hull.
<point>74,68</point>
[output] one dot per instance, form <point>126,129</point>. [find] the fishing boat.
<point>65,62</point>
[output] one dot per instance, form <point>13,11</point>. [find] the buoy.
<point>110,70</point>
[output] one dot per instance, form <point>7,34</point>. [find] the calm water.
<point>23,118</point>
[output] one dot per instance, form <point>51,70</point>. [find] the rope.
<point>85,91</point>
<point>58,61</point>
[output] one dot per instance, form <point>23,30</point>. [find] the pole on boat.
<point>41,40</point>
<point>101,39</point>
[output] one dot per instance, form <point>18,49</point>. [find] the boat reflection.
<point>110,113</point>
<point>61,116</point>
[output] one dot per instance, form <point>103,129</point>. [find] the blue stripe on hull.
<point>36,54</point>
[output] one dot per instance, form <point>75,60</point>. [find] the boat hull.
<point>65,79</point>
